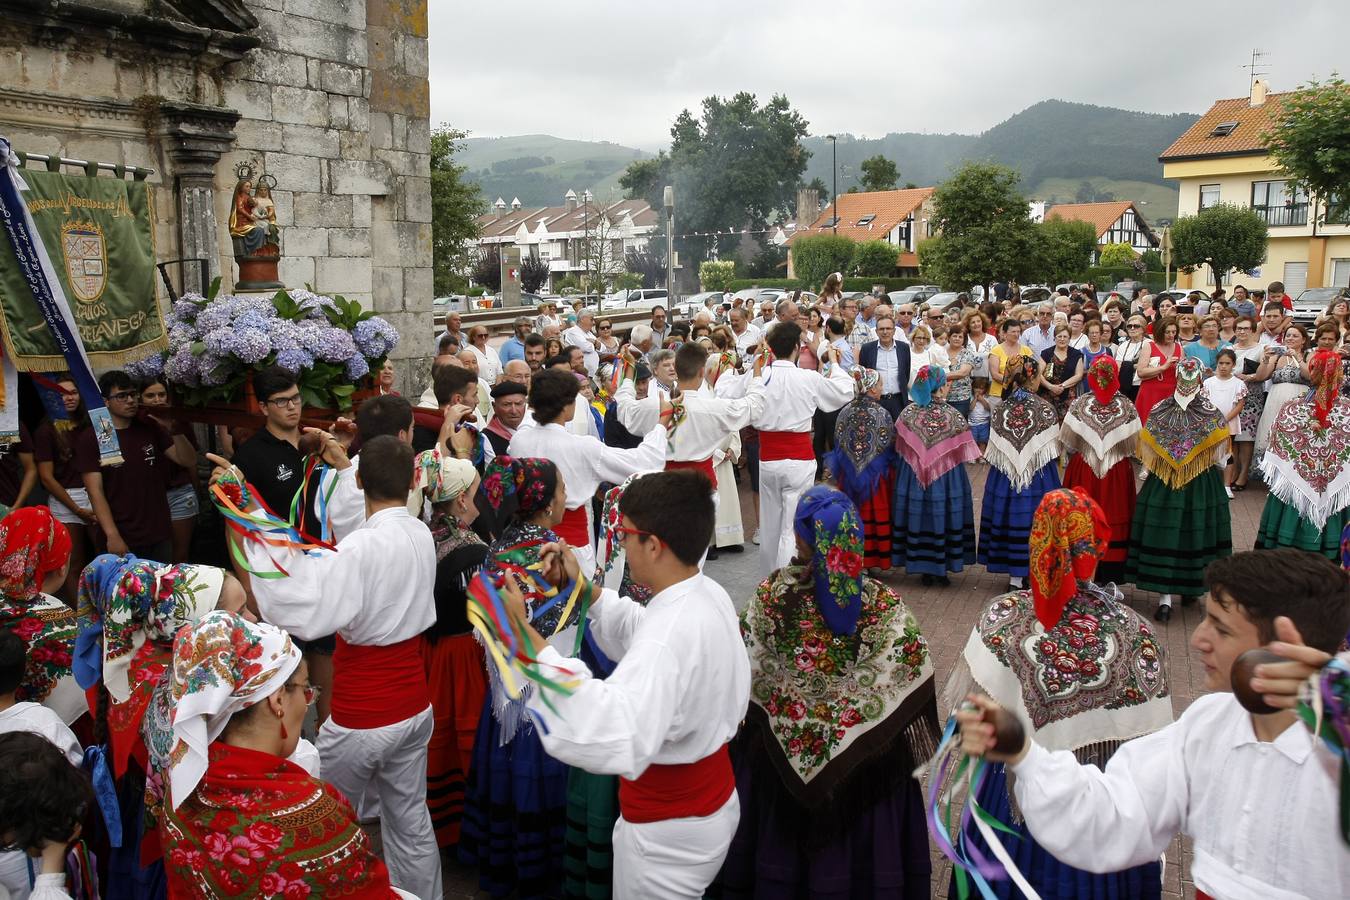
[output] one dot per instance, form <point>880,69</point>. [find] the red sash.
<point>687,790</point>
<point>1201,895</point>
<point>378,686</point>
<point>574,527</point>
<point>703,465</point>
<point>774,445</point>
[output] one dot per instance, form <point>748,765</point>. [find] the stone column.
<point>195,137</point>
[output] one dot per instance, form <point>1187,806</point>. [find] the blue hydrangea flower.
<point>286,335</point>
<point>219,341</point>
<point>216,370</point>
<point>312,303</point>
<point>217,314</point>
<point>250,345</point>
<point>252,318</point>
<point>332,344</point>
<point>184,311</point>
<point>147,368</point>
<point>375,337</point>
<point>183,368</point>
<point>357,367</point>
<point>181,336</point>
<point>294,359</point>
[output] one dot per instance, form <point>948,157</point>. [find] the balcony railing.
<point>1286,214</point>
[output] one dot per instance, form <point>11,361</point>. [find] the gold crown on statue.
<point>269,180</point>
<point>244,171</point>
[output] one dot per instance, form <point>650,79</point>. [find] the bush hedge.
<point>850,284</point>
<point>816,256</point>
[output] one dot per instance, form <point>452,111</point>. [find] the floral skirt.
<point>1282,526</point>
<point>1005,519</point>
<point>1177,533</point>
<point>934,530</point>
<point>1116,495</point>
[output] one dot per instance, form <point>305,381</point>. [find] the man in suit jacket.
<point>891,360</point>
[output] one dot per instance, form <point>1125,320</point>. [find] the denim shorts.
<point>183,502</point>
<point>980,432</point>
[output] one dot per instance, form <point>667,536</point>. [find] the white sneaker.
<point>755,539</point>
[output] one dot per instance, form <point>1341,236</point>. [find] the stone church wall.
<point>330,97</point>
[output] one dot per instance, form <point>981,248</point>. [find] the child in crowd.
<point>1256,792</point>
<point>1229,394</point>
<point>979,412</point>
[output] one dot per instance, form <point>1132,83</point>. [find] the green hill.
<point>540,168</point>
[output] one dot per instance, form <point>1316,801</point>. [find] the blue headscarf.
<point>828,522</point>
<point>927,382</point>
<point>96,589</point>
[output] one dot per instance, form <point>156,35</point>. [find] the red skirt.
<point>1116,494</point>
<point>457,682</point>
<point>876,522</point>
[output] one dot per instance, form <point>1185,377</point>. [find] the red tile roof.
<point>1199,141</point>
<point>889,207</point>
<point>560,219</point>
<point>1100,216</point>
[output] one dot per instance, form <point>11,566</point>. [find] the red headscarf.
<point>32,545</point>
<point>1103,378</point>
<point>1069,535</point>
<point>1326,374</point>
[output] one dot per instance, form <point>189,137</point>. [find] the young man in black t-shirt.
<point>271,460</point>
<point>131,500</point>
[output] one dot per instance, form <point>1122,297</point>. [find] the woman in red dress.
<point>1157,367</point>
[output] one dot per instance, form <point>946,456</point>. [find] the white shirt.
<point>1038,339</point>
<point>791,395</point>
<point>35,718</point>
<point>489,363</point>
<point>747,339</point>
<point>888,367</point>
<point>576,337</point>
<point>1262,814</point>
<point>1080,342</point>
<point>708,419</point>
<point>935,355</point>
<point>585,462</point>
<point>374,590</point>
<point>677,696</point>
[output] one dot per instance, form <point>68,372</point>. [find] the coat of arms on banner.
<point>86,259</point>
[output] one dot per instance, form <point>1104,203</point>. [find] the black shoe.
<point>943,581</point>
<point>928,581</point>
<point>1188,601</point>
<point>1162,614</point>
<point>734,548</point>
<point>712,553</point>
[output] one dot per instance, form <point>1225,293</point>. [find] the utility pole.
<point>834,191</point>
<point>668,201</point>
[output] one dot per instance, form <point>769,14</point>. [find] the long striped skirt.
<point>1282,526</point>
<point>1177,533</point>
<point>934,526</point>
<point>1005,519</point>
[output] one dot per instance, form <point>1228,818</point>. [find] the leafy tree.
<point>716,274</point>
<point>816,256</point>
<point>986,230</point>
<point>648,264</point>
<point>1065,249</point>
<point>627,281</point>
<point>486,268</point>
<point>1117,256</point>
<point>534,274</point>
<point>878,174</point>
<point>874,259</point>
<point>568,284</point>
<point>821,188</point>
<point>1310,139</point>
<point>1224,236</point>
<point>769,262</point>
<point>456,203</point>
<point>646,179</point>
<point>1151,260</point>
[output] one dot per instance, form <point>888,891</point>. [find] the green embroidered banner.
<point>99,233</point>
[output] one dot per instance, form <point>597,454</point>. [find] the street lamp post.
<point>834,191</point>
<point>586,237</point>
<point>668,201</point>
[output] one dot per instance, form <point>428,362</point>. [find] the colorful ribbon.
<point>1324,706</point>
<point>232,496</point>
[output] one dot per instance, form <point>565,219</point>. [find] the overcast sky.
<point>605,70</point>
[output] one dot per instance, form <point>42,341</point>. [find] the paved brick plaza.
<point>946,614</point>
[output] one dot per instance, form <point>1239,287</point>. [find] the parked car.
<point>700,300</point>
<point>448,304</point>
<point>948,301</point>
<point>1313,302</point>
<point>918,293</point>
<point>1034,293</point>
<point>638,298</point>
<point>1126,289</point>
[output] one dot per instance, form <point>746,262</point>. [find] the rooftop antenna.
<point>1255,68</point>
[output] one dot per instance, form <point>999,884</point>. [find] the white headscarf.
<point>221,665</point>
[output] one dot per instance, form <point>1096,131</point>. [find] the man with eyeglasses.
<point>904,321</point>
<point>859,333</point>
<point>271,460</point>
<point>1041,336</point>
<point>890,358</point>
<point>130,500</point>
<point>514,346</point>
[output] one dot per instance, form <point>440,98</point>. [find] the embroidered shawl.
<point>1179,442</point>
<point>1093,681</point>
<point>260,826</point>
<point>934,439</point>
<point>1023,437</point>
<point>828,706</point>
<point>1104,433</point>
<point>864,446</point>
<point>1308,465</point>
<point>48,627</point>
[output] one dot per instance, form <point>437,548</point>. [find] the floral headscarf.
<point>828,522</point>
<point>1023,371</point>
<point>866,379</point>
<point>927,382</point>
<point>221,665</point>
<point>1190,377</point>
<point>532,483</point>
<point>32,545</point>
<point>1069,534</point>
<point>125,601</point>
<point>1326,374</point>
<point>1103,378</point>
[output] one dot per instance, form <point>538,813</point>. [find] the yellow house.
<point>1222,159</point>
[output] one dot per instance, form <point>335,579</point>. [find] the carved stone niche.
<point>213,32</point>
